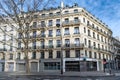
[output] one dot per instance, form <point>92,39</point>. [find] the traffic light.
<point>104,61</point>
<point>84,59</point>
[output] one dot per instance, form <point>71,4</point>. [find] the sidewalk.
<point>70,74</point>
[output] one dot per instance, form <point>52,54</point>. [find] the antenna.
<point>62,4</point>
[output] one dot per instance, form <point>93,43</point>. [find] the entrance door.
<point>11,67</point>
<point>0,67</point>
<point>72,66</point>
<point>34,66</point>
<point>20,66</point>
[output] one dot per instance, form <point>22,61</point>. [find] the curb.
<point>107,75</point>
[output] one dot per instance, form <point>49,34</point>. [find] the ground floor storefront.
<point>54,65</point>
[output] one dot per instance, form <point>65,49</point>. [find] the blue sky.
<point>106,10</point>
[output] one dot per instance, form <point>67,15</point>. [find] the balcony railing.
<point>3,49</point>
<point>72,22</point>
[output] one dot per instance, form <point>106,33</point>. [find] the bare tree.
<point>21,15</point>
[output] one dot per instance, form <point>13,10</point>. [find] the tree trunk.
<point>27,65</point>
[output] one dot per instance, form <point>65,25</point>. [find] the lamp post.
<point>61,8</point>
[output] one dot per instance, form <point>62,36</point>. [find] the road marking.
<point>89,79</point>
<point>2,78</point>
<point>51,79</point>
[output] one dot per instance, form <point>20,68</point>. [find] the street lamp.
<point>61,8</point>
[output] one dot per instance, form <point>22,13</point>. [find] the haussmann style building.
<point>72,39</point>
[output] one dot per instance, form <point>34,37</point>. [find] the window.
<point>98,36</point>
<point>105,40</point>
<point>102,38</point>
<point>103,56</point>
<point>58,33</point>
<point>52,65</point>
<point>34,45</point>
<point>43,15</point>
<point>12,37</point>
<point>36,16</point>
<point>95,55</point>
<point>99,55</point>
<point>77,42</point>
<point>93,35</point>
<point>50,23</point>
<point>98,46</point>
<point>85,41</point>
<point>58,43</point>
<point>76,20</point>
<point>66,21</point>
<point>19,56</point>
<point>84,30</point>
<point>50,43</point>
<point>50,14</point>
<point>88,23</point>
<point>42,44</point>
<point>89,33</point>
<point>77,53</point>
<point>101,30</point>
<point>76,11</point>
<point>34,34</point>
<point>89,42</point>
<point>5,28</point>
<point>106,48</point>
<point>67,43</point>
<point>102,47</point>
<point>42,23</point>
<point>5,37</point>
<point>66,31</point>
<point>83,19</point>
<point>58,54</point>
<point>26,35</point>
<point>42,34</point>
<point>90,54</point>
<point>11,47</point>
<point>85,53</point>
<point>19,35</point>
<point>12,27</point>
<point>67,54</point>
<point>76,30</point>
<point>97,28</point>
<point>50,33</point>
<point>93,25</point>
<point>50,54</point>
<point>66,12</point>
<point>11,56</point>
<point>4,47</point>
<point>58,22</point>
<point>57,13</point>
<point>94,44</point>
<point>34,55</point>
<point>19,44</point>
<point>34,24</point>
<point>42,54</point>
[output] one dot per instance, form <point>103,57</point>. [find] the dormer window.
<point>36,16</point>
<point>66,12</point>
<point>76,11</point>
<point>50,14</point>
<point>43,15</point>
<point>58,13</point>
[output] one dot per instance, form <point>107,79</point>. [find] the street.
<point>58,78</point>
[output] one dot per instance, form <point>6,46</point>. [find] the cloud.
<point>106,10</point>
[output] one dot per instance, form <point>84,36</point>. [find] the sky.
<point>106,10</point>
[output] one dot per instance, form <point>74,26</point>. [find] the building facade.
<point>83,40</point>
<point>116,52</point>
<point>7,48</point>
